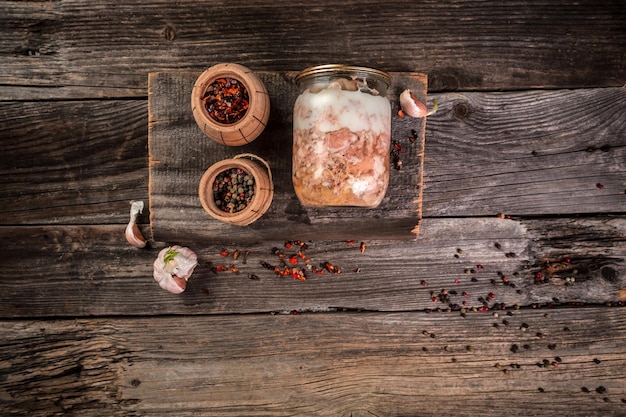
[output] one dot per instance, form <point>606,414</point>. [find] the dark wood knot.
<point>169,33</point>
<point>609,274</point>
<point>461,110</point>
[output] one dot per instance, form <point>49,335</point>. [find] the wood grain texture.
<point>319,364</point>
<point>81,162</point>
<point>91,270</point>
<point>180,153</point>
<point>72,162</point>
<point>533,152</point>
<point>75,49</point>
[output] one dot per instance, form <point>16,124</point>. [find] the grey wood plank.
<point>536,152</point>
<point>343,364</point>
<point>72,162</point>
<point>91,270</point>
<point>180,153</point>
<point>80,50</point>
<point>81,162</point>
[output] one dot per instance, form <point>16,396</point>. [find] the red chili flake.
<point>600,186</point>
<point>400,113</point>
<point>397,146</point>
<point>288,244</point>
<point>568,260</point>
<point>293,259</point>
<point>538,275</point>
<point>483,309</point>
<point>220,268</point>
<point>297,274</point>
<point>224,252</point>
<point>332,268</point>
<point>233,269</point>
<point>464,294</point>
<point>236,254</point>
<point>245,257</point>
<point>226,100</point>
<point>301,254</point>
<point>505,279</point>
<point>424,283</point>
<point>362,247</point>
<point>480,266</point>
<point>350,242</point>
<point>457,281</point>
<point>491,295</point>
<point>435,299</point>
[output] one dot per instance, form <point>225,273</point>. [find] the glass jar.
<point>341,136</point>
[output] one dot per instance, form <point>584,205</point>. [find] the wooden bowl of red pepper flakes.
<point>230,104</point>
<point>238,190</point>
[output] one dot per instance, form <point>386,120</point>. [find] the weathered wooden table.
<point>509,302</point>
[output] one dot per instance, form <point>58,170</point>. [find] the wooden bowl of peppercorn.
<point>230,104</point>
<point>238,190</point>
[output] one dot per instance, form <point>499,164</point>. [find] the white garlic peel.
<point>412,106</point>
<point>133,234</point>
<point>173,267</point>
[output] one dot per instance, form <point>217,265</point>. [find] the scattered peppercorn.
<point>233,189</point>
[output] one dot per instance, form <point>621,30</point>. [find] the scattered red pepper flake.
<point>224,252</point>
<point>362,247</point>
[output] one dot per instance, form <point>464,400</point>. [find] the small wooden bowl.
<point>250,126</point>
<point>259,169</point>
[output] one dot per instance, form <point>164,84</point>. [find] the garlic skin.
<point>411,106</point>
<point>173,267</point>
<point>133,234</point>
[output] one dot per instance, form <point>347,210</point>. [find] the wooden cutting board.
<point>179,153</point>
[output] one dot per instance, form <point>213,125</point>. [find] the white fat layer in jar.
<point>333,108</point>
<point>341,147</point>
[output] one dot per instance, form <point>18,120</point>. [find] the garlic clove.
<point>132,233</point>
<point>411,106</point>
<point>173,267</point>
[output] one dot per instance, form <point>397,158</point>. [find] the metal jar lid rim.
<point>330,69</point>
